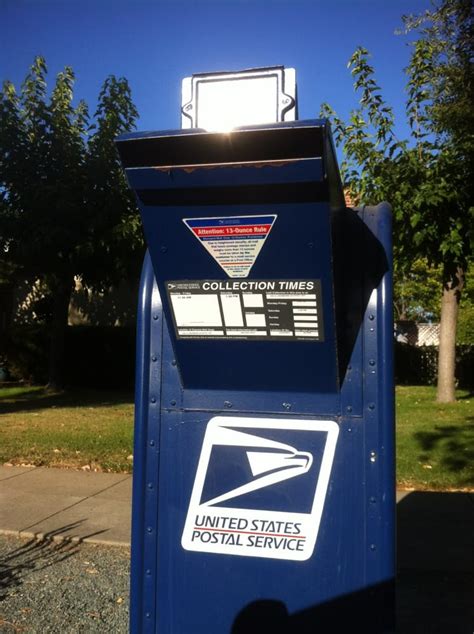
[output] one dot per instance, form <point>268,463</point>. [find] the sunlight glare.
<point>227,104</point>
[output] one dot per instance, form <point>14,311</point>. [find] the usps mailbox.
<point>264,457</point>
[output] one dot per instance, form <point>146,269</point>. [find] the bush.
<point>100,356</point>
<point>465,329</point>
<point>94,357</point>
<point>419,365</point>
<point>25,349</point>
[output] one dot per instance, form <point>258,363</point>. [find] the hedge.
<point>419,365</point>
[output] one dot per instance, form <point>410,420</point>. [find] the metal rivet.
<point>173,402</point>
<point>372,329</point>
<point>349,367</point>
<point>373,547</point>
<point>155,317</point>
<point>148,572</point>
<point>372,362</point>
<point>287,406</point>
<point>150,485</point>
<point>148,615</point>
<point>164,249</point>
<point>371,317</point>
<point>373,500</point>
<point>227,404</point>
<point>149,529</point>
<point>152,443</point>
<point>153,399</point>
<point>310,245</point>
<point>349,429</point>
<point>371,406</point>
<point>153,359</point>
<point>373,456</point>
<point>173,362</point>
<point>349,408</point>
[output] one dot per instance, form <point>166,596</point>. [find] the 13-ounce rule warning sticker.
<point>247,309</point>
<point>260,487</point>
<point>233,241</point>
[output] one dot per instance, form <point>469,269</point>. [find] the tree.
<point>428,178</point>
<point>416,292</point>
<point>65,210</point>
<point>441,93</point>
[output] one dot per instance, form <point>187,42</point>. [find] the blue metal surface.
<point>228,362</point>
<point>379,414</point>
<point>307,171</point>
<point>147,448</point>
<point>347,582</point>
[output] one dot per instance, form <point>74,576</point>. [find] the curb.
<point>58,539</point>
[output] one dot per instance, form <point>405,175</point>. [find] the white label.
<point>196,310</point>
<point>252,301</point>
<point>231,309</point>
<point>247,309</point>
<point>233,241</point>
<point>260,487</point>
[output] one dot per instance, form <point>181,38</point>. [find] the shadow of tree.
<point>42,399</point>
<point>466,397</point>
<point>454,444</point>
<point>36,555</point>
<point>22,560</point>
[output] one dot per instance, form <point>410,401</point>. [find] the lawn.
<point>93,430</point>
<point>79,429</point>
<point>435,442</point>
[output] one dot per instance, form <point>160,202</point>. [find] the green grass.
<point>79,428</point>
<point>435,442</point>
<point>82,428</point>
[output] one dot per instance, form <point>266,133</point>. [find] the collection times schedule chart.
<point>249,309</point>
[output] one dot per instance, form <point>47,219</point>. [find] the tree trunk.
<point>452,286</point>
<point>61,298</point>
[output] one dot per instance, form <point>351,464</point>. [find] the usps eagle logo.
<point>260,487</point>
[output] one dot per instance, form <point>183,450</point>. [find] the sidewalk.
<point>66,504</point>
<point>434,530</point>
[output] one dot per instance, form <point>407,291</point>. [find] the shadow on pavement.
<point>434,602</point>
<point>435,581</point>
<point>435,531</point>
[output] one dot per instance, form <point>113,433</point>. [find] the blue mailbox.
<point>264,441</point>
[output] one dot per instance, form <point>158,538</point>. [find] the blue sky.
<point>155,43</point>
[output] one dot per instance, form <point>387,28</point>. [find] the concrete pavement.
<point>65,504</point>
<point>435,530</point>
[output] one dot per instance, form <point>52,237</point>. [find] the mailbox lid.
<point>253,144</point>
